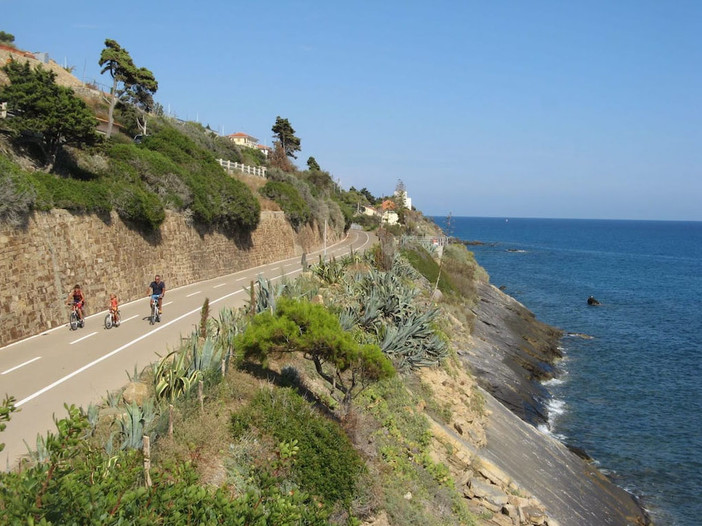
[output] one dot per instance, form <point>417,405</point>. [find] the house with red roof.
<point>243,139</point>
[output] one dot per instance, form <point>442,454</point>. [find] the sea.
<point>628,389</point>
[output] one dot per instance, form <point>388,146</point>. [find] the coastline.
<point>512,355</point>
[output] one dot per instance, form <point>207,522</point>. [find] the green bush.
<point>71,194</point>
<point>296,210</point>
<point>217,199</point>
<point>422,261</point>
<point>327,464</point>
<point>77,483</point>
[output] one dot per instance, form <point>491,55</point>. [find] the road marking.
<point>112,353</point>
<point>102,313</point>
<point>220,285</point>
<point>166,303</point>
<point>135,316</point>
<point>191,294</point>
<point>83,338</point>
<point>21,365</point>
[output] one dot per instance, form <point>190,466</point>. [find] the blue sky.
<point>494,108</point>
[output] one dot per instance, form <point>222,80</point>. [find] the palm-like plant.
<point>173,377</point>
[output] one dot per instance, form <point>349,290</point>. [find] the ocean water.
<point>631,395</point>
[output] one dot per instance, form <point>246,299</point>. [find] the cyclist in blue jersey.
<point>157,289</point>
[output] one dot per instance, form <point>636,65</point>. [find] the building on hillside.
<point>102,126</point>
<point>266,150</point>
<point>243,139</point>
<point>388,205</point>
<point>390,217</point>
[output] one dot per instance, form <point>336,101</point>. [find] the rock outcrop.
<point>521,475</point>
<point>511,353</point>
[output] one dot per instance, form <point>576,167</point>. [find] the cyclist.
<point>114,308</point>
<point>77,298</point>
<point>157,290</point>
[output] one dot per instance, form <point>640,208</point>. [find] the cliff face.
<point>515,471</point>
<point>511,353</point>
<point>41,263</point>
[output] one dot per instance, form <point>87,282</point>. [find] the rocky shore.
<point>511,353</point>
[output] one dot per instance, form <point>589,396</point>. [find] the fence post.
<point>146,448</point>
<point>253,299</point>
<point>200,396</point>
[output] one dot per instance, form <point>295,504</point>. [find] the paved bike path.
<point>80,367</point>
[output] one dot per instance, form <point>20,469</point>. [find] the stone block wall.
<point>40,264</point>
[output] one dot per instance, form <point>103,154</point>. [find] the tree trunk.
<point>113,103</point>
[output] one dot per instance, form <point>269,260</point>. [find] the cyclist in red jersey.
<point>77,298</point>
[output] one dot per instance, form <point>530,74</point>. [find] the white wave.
<point>555,408</point>
<point>546,430</point>
<point>553,381</point>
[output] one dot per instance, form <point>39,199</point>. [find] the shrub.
<point>71,194</point>
<point>138,206</point>
<point>422,261</point>
<point>217,199</point>
<point>327,464</point>
<point>296,210</point>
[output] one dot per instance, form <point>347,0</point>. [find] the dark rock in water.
<point>592,301</point>
<point>503,287</point>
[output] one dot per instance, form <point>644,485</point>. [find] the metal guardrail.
<point>230,166</point>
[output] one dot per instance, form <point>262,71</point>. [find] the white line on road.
<point>102,313</point>
<point>168,303</point>
<point>112,353</point>
<point>83,338</point>
<point>21,365</point>
<point>131,318</point>
<point>191,294</point>
<point>220,285</point>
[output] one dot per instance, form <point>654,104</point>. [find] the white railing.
<point>260,171</point>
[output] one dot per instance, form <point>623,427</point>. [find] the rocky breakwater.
<point>510,353</point>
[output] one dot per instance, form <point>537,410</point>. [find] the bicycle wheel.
<point>117,320</point>
<point>73,321</point>
<point>154,313</point>
<point>108,321</point>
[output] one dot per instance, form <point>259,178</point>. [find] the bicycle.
<point>155,316</point>
<point>73,320</point>
<point>112,319</point>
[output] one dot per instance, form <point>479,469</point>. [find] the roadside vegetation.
<point>305,406</point>
<point>299,408</point>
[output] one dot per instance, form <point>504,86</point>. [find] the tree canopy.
<point>6,38</point>
<point>301,326</point>
<point>285,134</point>
<point>312,164</point>
<point>50,114</point>
<point>129,84</point>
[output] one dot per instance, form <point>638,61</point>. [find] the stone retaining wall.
<point>40,264</point>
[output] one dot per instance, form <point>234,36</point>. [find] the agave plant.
<point>206,357</point>
<point>173,377</point>
<point>331,272</point>
<point>266,295</point>
<point>135,424</point>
